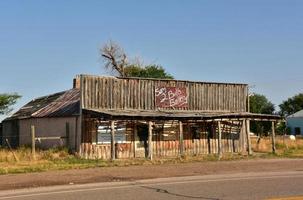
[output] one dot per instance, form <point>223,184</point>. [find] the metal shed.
<point>295,123</point>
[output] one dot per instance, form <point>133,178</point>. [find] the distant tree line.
<point>260,104</point>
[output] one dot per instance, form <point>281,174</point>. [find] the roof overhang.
<point>178,115</point>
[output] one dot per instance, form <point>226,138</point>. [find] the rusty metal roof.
<point>61,104</point>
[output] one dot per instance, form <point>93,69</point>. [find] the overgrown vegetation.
<point>284,147</point>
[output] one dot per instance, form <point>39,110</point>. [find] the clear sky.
<point>44,44</point>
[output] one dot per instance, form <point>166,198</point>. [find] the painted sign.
<point>171,97</point>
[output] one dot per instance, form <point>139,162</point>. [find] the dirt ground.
<point>107,174</point>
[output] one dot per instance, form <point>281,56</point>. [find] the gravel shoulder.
<point>131,173</point>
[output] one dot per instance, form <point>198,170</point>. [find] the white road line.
<point>138,184</point>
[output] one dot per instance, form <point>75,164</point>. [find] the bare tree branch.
<point>114,57</point>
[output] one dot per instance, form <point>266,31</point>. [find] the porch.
<point>128,134</point>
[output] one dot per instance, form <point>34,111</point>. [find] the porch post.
<point>135,137</point>
<point>248,138</point>
<point>112,145</point>
<point>150,136</point>
<point>181,146</point>
<point>219,140</point>
<point>273,137</point>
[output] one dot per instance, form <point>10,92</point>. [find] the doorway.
<point>141,141</point>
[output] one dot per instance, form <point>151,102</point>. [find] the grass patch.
<point>60,159</point>
<point>53,159</point>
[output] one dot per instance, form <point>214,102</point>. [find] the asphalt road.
<point>261,185</point>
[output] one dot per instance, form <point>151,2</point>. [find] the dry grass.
<point>45,160</point>
<point>284,146</point>
<point>59,159</point>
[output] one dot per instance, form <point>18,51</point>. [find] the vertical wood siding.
<point>139,94</point>
<point>169,145</point>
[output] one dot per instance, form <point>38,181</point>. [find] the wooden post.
<point>11,149</point>
<point>219,140</point>
<point>273,137</point>
<point>135,138</point>
<point>181,146</point>
<point>33,141</point>
<point>67,135</point>
<point>113,149</point>
<point>150,145</point>
<point>249,150</point>
<point>209,131</point>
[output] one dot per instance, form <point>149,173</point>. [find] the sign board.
<point>171,97</point>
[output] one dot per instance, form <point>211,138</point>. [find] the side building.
<point>55,117</point>
<point>295,123</point>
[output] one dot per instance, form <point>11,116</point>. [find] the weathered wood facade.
<point>140,94</point>
<point>176,117</point>
<point>198,138</point>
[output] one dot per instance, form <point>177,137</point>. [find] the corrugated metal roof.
<point>61,104</point>
<point>297,114</point>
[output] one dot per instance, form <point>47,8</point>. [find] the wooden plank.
<point>112,145</point>
<point>150,134</point>
<point>181,138</point>
<point>249,149</point>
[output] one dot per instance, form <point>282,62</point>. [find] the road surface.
<point>252,185</point>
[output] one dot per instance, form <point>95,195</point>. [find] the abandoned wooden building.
<point>140,117</point>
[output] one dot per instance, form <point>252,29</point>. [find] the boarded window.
<point>170,131</point>
<point>104,134</point>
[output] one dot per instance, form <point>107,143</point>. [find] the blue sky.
<point>44,44</point>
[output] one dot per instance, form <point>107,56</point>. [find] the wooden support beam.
<point>249,150</point>
<point>181,145</point>
<point>33,141</point>
<point>112,145</point>
<point>242,138</point>
<point>219,140</point>
<point>273,137</point>
<point>135,137</point>
<point>150,136</point>
<point>209,132</point>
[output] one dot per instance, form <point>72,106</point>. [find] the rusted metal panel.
<point>141,94</point>
<point>67,104</point>
<point>61,104</point>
